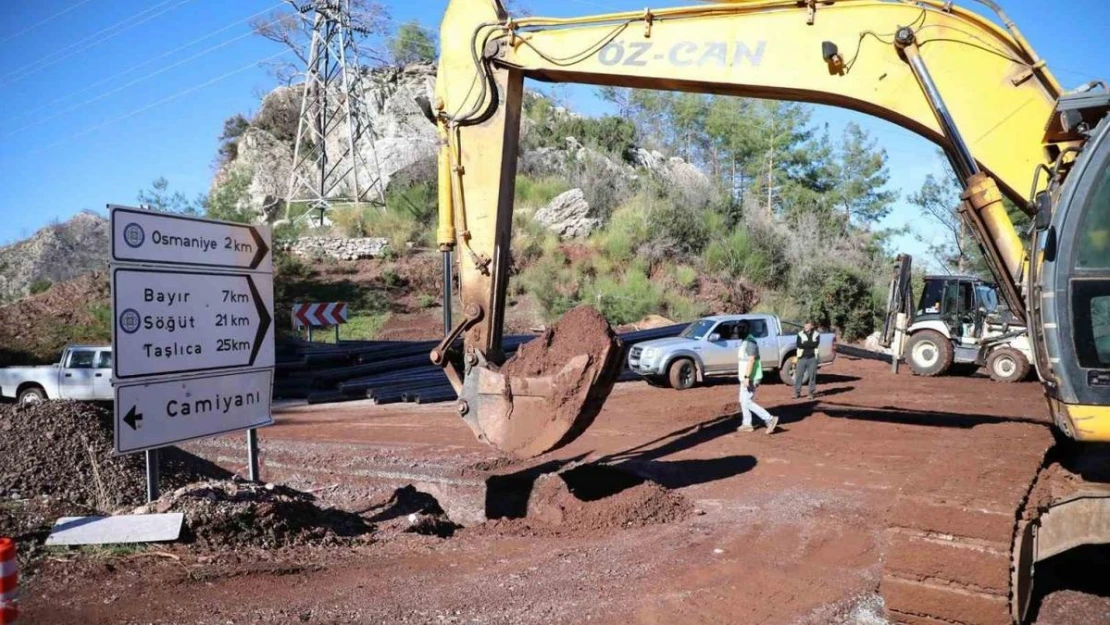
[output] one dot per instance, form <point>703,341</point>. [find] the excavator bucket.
<point>549,392</point>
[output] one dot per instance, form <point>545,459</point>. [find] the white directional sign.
<point>142,236</point>
<point>155,414</point>
<point>184,321</point>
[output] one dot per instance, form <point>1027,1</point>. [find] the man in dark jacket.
<point>808,341</point>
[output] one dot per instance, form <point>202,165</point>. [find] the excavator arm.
<point>951,75</point>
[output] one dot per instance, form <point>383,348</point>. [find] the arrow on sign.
<point>259,243</point>
<point>263,316</point>
<point>133,418</point>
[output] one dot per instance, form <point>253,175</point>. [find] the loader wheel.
<point>682,374</point>
<point>1007,364</point>
<point>930,354</point>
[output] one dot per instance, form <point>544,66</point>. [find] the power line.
<point>164,100</point>
<point>129,84</point>
<point>93,40</point>
<point>40,23</point>
<point>143,64</point>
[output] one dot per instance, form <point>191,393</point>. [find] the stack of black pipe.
<point>388,371</point>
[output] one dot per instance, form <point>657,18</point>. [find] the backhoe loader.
<point>961,548</point>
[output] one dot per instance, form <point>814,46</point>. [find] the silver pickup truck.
<point>84,373</point>
<point>708,347</point>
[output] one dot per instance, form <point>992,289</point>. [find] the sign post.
<point>192,331</point>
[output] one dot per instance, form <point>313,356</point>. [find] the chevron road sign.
<point>319,315</point>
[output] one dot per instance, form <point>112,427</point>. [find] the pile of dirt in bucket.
<point>581,333</point>
<point>233,513</point>
<point>65,451</point>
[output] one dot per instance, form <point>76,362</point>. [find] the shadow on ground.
<point>507,495</point>
<point>932,418</point>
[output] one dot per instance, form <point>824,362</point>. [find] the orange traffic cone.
<point>9,582</point>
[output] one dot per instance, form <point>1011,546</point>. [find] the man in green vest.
<point>751,374</point>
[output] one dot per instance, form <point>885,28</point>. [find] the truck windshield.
<point>697,330</point>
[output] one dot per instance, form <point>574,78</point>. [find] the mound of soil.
<point>584,501</point>
<point>64,450</point>
<point>35,329</point>
<point>231,513</point>
<point>552,503</point>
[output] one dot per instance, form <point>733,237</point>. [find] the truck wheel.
<point>788,370</point>
<point>31,395</point>
<point>930,354</point>
<point>1007,364</point>
<point>682,374</point>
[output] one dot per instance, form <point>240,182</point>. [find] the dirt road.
<point>783,529</point>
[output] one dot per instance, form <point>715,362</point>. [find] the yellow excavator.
<point>959,553</point>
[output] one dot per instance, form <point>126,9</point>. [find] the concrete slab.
<point>132,528</point>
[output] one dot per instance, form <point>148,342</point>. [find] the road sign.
<point>319,315</point>
<point>170,321</point>
<point>156,414</point>
<point>142,236</point>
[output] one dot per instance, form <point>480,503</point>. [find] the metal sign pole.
<point>252,454</point>
<point>151,475</point>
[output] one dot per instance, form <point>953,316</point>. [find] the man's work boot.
<point>745,428</point>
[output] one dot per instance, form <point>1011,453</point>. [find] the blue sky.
<point>100,97</point>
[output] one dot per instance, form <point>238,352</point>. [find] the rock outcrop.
<point>400,136</point>
<point>568,215</point>
<point>54,254</point>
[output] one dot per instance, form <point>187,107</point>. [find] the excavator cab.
<point>1071,286</point>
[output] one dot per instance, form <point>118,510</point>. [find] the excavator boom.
<point>888,58</point>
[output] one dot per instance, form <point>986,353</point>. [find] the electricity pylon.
<point>333,107</point>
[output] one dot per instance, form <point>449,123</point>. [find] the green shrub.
<point>838,297</point>
<point>537,192</point>
<point>736,255</point>
<point>290,267</point>
<point>425,300</point>
<point>681,308</point>
<point>686,276</point>
<point>553,283</point>
<point>392,279</point>
<point>230,200</point>
<point>40,285</point>
<point>627,299</point>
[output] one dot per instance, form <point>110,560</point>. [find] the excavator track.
<point>950,557</point>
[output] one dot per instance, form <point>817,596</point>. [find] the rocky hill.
<point>56,253</point>
<point>401,135</point>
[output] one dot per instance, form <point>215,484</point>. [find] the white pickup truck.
<point>707,348</point>
<point>84,373</point>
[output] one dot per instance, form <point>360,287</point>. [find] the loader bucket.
<point>549,392</point>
